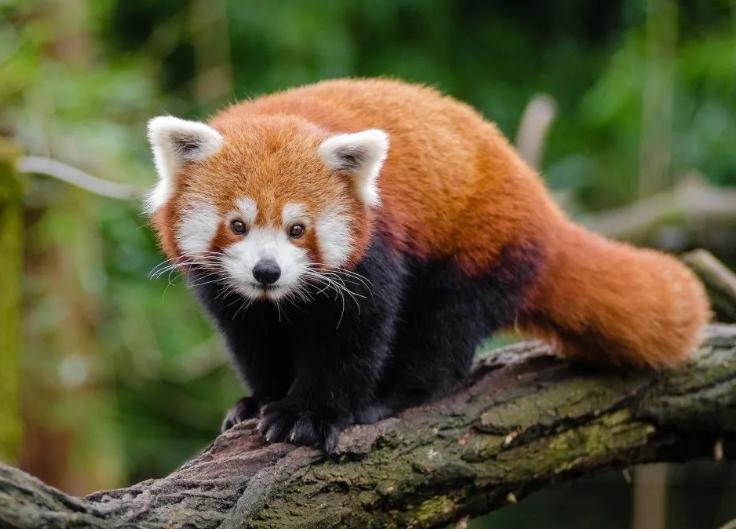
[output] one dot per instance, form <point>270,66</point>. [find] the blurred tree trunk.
<point>658,97</point>
<point>213,76</point>
<point>11,259</point>
<point>650,497</point>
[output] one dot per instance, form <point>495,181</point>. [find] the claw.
<point>288,420</point>
<point>245,408</point>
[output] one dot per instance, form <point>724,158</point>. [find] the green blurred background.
<point>122,379</point>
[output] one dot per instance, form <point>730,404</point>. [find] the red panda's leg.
<point>337,370</point>
<point>338,351</point>
<point>433,350</point>
<point>445,317</point>
<point>258,351</point>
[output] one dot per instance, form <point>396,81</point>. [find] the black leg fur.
<point>313,366</point>
<point>257,335</point>
<point>445,316</point>
<point>316,368</point>
<point>338,356</point>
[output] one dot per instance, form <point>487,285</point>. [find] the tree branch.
<point>691,214</point>
<point>527,420</point>
<point>719,281</point>
<point>77,177</point>
<point>536,120</point>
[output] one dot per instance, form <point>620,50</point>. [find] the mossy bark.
<point>11,256</point>
<point>527,420</point>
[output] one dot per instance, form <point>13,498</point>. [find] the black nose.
<point>266,271</point>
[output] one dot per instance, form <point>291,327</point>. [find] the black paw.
<point>373,413</point>
<point>289,420</point>
<point>245,408</point>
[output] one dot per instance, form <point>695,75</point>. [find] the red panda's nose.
<point>266,271</point>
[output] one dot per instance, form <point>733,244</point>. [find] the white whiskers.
<point>315,281</point>
<point>340,281</point>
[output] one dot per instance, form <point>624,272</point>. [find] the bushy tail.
<point>608,302</point>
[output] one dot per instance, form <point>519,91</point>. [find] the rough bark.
<point>526,421</point>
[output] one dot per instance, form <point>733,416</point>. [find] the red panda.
<point>355,240</point>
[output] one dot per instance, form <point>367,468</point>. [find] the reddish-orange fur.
<point>453,188</point>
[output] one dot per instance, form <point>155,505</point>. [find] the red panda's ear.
<point>360,154</point>
<point>175,142</point>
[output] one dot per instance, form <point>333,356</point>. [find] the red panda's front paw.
<point>291,421</point>
<point>246,408</point>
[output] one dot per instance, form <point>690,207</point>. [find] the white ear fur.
<point>361,154</point>
<point>175,142</point>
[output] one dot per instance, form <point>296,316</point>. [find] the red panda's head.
<point>269,203</point>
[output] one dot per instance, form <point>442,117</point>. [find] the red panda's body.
<point>453,194</point>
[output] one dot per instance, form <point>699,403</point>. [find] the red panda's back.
<point>451,185</point>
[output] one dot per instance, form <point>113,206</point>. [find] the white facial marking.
<point>197,228</point>
<point>293,212</point>
<point>265,243</point>
<point>334,237</point>
<point>362,155</point>
<point>247,210</point>
<point>175,142</point>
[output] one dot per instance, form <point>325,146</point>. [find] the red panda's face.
<point>271,205</point>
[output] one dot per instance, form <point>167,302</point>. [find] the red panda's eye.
<point>238,227</point>
<point>296,231</point>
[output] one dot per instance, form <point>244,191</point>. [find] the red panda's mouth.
<point>260,286</point>
<point>264,292</point>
